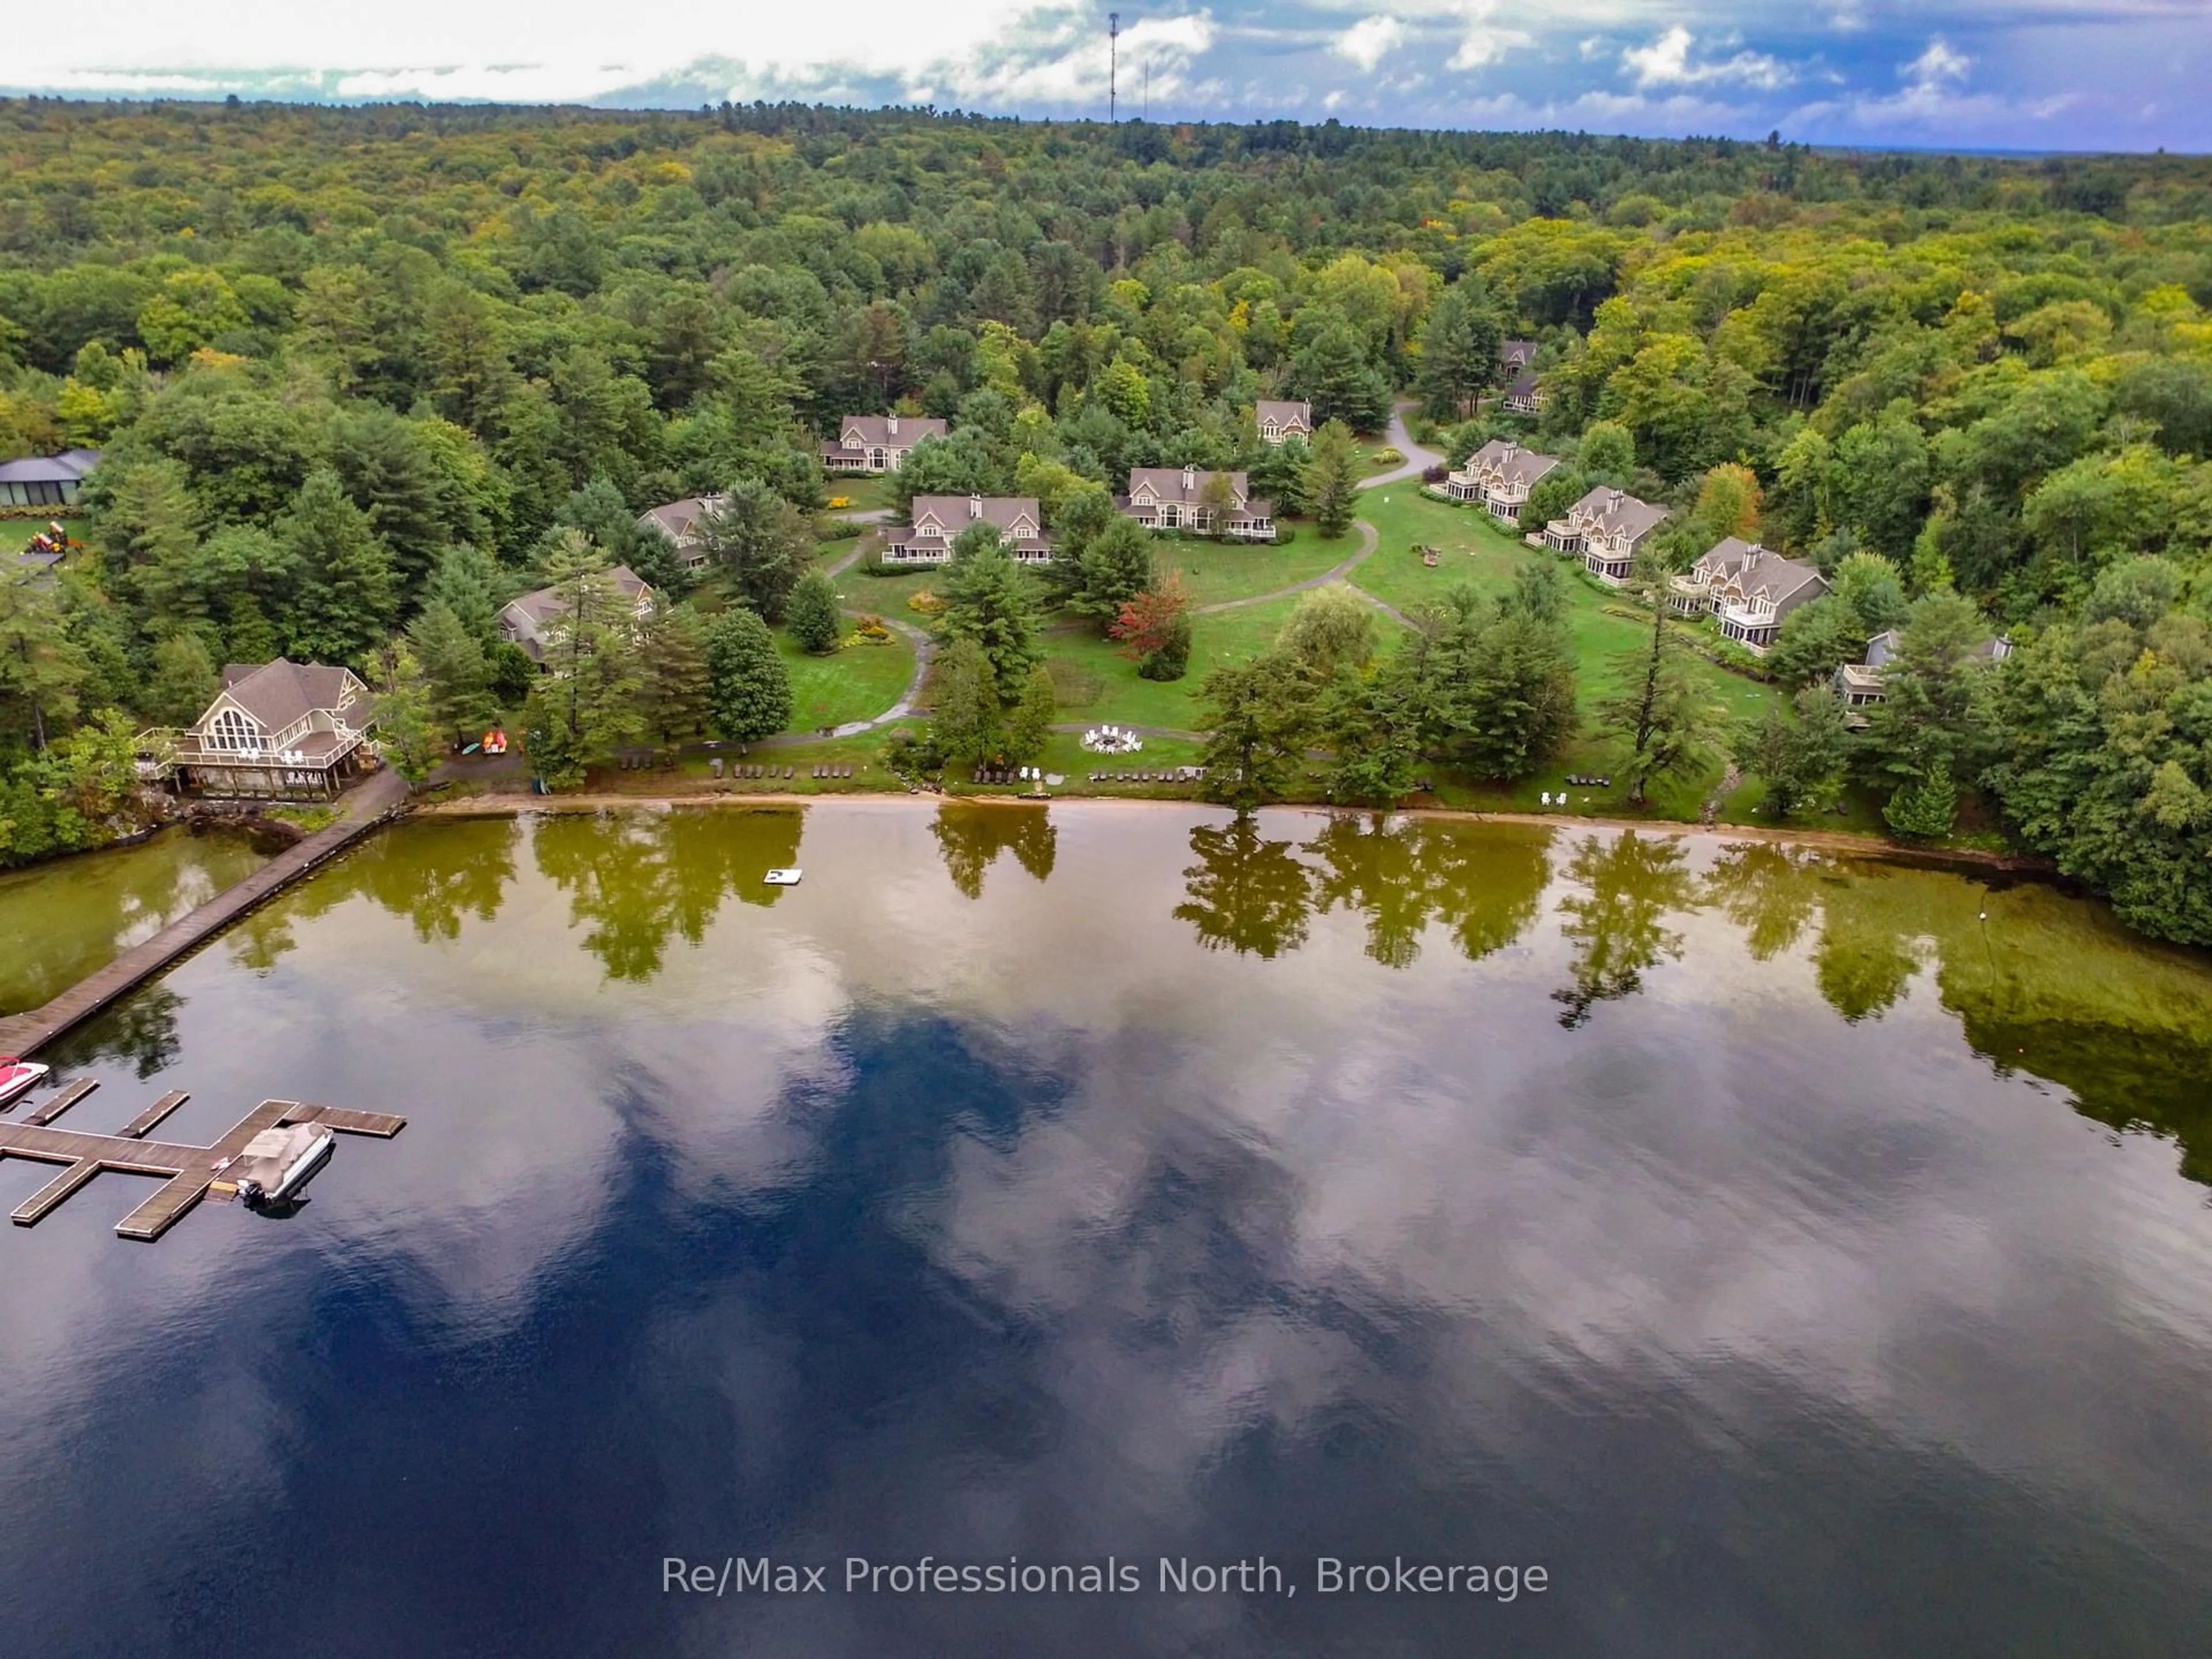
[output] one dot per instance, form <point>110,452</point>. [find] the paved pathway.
<point>1335,574</point>
<point>1417,459</point>
<point>360,811</point>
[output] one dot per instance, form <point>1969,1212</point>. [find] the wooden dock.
<point>374,802</point>
<point>186,1173</point>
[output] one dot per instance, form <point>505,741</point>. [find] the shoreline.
<point>1825,840</point>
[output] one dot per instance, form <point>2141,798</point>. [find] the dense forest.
<point>361,375</point>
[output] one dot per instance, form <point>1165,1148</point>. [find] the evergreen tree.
<point>1663,716</point>
<point>1029,723</point>
<point>587,707</point>
<point>1492,681</point>
<point>41,668</point>
<point>813,617</point>
<point>185,680</point>
<point>471,586</point>
<point>762,541</point>
<point>1112,570</point>
<point>1332,479</point>
<point>1802,759</point>
<point>348,587</point>
<point>748,689</point>
<point>454,673</point>
<point>1459,350</point>
<point>1259,716</point>
<point>407,729</point>
<point>987,600</point>
<point>1333,372</point>
<point>1925,809</point>
<point>965,723</point>
<point>677,703</point>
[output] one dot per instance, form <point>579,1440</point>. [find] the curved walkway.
<point>1368,542</point>
<point>1417,459</point>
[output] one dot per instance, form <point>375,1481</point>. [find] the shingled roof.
<point>276,694</point>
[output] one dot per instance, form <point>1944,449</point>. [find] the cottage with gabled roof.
<point>1608,527</point>
<point>1524,396</point>
<point>938,521</point>
<point>1751,589</point>
<point>1279,420</point>
<point>1175,498</point>
<point>529,621</point>
<point>878,443</point>
<point>1499,476</point>
<point>1514,356</point>
<point>1859,683</point>
<point>678,521</point>
<point>281,731</point>
<point>45,480</point>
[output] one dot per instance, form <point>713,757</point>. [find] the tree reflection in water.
<point>634,879</point>
<point>1246,894</point>
<point>1617,921</point>
<point>437,886</point>
<point>972,837</point>
<point>139,1030</point>
<point>1486,884</point>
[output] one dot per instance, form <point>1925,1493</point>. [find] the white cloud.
<point>1666,62</point>
<point>1369,40</point>
<point>1936,66</point>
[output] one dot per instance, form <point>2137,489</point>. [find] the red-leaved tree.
<point>1148,622</point>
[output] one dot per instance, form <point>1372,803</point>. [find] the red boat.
<point>18,1077</point>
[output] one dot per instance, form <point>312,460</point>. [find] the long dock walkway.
<point>360,811</point>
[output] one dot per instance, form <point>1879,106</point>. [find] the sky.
<point>2034,75</point>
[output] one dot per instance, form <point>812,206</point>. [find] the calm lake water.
<point>1782,1257</point>
<point>62,920</point>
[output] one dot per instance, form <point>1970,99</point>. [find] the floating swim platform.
<point>782,877</point>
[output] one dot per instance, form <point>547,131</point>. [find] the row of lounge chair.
<point>1592,782</point>
<point>1174,774</point>
<point>833,771</point>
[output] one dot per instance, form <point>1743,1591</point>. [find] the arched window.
<point>233,731</point>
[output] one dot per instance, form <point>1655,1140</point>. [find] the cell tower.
<point>1112,59</point>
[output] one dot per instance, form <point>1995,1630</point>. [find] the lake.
<point>73,916</point>
<point>1727,1249</point>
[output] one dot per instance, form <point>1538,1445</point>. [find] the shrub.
<point>1171,660</point>
<point>1285,534</point>
<point>813,616</point>
<point>922,602</point>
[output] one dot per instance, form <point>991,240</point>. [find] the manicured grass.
<point>863,493</point>
<point>1214,571</point>
<point>887,596</point>
<point>1605,625</point>
<point>1096,681</point>
<point>856,683</point>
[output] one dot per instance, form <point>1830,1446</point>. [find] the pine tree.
<point>965,723</point>
<point>762,541</point>
<point>586,705</point>
<point>1459,350</point>
<point>185,680</point>
<point>41,668</point>
<point>1112,570</point>
<point>1802,759</point>
<point>469,584</point>
<point>1663,716</point>
<point>676,705</point>
<point>348,588</point>
<point>1258,717</point>
<point>748,689</point>
<point>1332,479</point>
<point>813,617</point>
<point>454,672</point>
<point>406,728</point>
<point>987,600</point>
<point>1028,724</point>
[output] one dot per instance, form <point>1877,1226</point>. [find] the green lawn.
<point>857,683</point>
<point>1214,571</point>
<point>1604,624</point>
<point>862,493</point>
<point>1096,681</point>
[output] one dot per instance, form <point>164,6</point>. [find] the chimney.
<point>890,425</point>
<point>1511,450</point>
<point>975,506</point>
<point>1189,480</point>
<point>1613,503</point>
